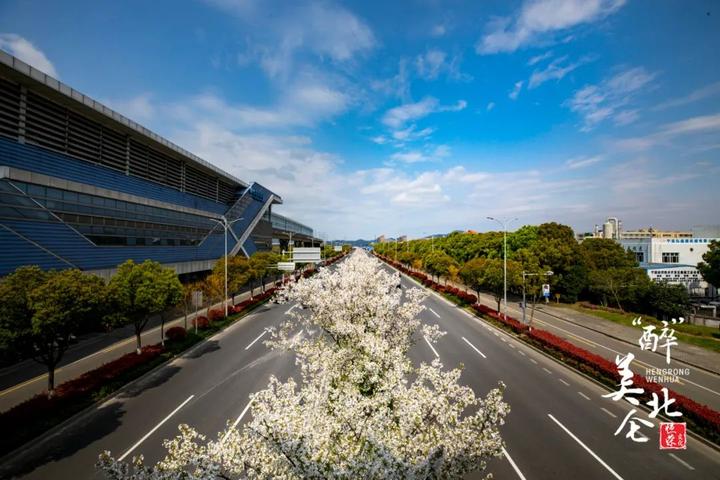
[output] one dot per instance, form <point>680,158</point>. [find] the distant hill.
<point>354,243</point>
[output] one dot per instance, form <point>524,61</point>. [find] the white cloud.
<point>438,30</point>
<point>699,94</point>
<point>607,100</point>
<point>27,52</point>
<point>539,58</point>
<point>516,90</point>
<point>398,116</point>
<point>690,126</point>
<point>280,32</point>
<point>139,108</point>
<point>554,71</point>
<point>429,154</point>
<point>490,106</point>
<point>430,64</point>
<point>538,18</point>
<point>380,139</point>
<point>582,162</point>
<point>411,133</point>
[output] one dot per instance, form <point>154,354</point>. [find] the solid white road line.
<point>614,473</point>
<point>473,347</point>
<point>434,312</point>
<point>564,382</point>
<point>155,428</point>
<point>583,395</point>
<point>258,338</point>
<point>512,463</point>
<point>431,347</point>
<point>237,421</point>
<point>683,462</point>
<point>608,412</point>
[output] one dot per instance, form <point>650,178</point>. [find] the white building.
<point>672,260</point>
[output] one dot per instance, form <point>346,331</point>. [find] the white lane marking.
<point>290,309</point>
<point>473,347</point>
<point>681,461</point>
<point>511,345</point>
<point>583,395</point>
<point>431,347</point>
<point>434,312</point>
<point>521,353</point>
<point>153,430</point>
<point>496,334</point>
<point>258,338</point>
<point>614,473</point>
<point>548,371</point>
<point>564,382</point>
<point>237,421</point>
<point>608,412</point>
<point>533,360</point>
<point>503,339</point>
<point>515,467</point>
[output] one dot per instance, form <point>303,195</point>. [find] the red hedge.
<point>201,322</point>
<point>175,334</point>
<point>216,314</point>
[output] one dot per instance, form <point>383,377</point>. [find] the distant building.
<point>402,238</point>
<point>381,239</point>
<point>652,233</point>
<point>672,260</point>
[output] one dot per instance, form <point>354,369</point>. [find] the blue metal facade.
<point>36,236</point>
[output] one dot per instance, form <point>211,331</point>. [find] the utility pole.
<point>226,226</point>
<point>504,224</point>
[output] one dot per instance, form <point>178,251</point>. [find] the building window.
<point>640,257</point>
<point>671,257</point>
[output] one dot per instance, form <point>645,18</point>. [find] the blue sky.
<point>414,117</point>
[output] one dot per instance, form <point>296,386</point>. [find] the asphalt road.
<point>700,385</point>
<point>559,427</point>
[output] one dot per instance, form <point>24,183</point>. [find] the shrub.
<point>201,322</point>
<point>175,334</point>
<point>216,314</point>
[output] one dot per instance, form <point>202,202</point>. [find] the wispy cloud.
<point>539,58</point>
<point>697,95</point>
<point>608,99</point>
<point>516,90</point>
<point>538,18</point>
<point>27,52</point>
<point>490,106</point>
<point>435,62</point>
<point>398,116</point>
<point>582,162</point>
<point>556,70</point>
<point>693,125</point>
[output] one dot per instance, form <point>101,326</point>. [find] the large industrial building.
<point>83,186</point>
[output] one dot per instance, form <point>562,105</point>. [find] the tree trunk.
<point>51,380</point>
<point>498,304</point>
<point>162,329</point>
<point>138,341</point>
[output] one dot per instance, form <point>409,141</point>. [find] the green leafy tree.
<point>710,266</point>
<point>493,278</point>
<point>473,274</point>
<point>668,301</point>
<point>16,310</point>
<point>438,263</point>
<point>238,273</point>
<point>604,253</point>
<point>68,303</point>
<point>140,290</point>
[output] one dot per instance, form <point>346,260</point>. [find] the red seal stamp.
<point>673,436</point>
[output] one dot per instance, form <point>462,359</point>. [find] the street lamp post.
<point>524,274</point>
<point>226,225</point>
<point>504,224</point>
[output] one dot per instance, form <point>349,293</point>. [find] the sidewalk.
<point>87,355</point>
<point>685,352</point>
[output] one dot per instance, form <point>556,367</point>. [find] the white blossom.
<point>360,408</point>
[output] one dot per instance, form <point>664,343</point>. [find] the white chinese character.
<point>668,334</point>
<point>655,404</point>
<point>633,432</point>
<point>625,381</point>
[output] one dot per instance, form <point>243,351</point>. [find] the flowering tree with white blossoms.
<point>361,409</point>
